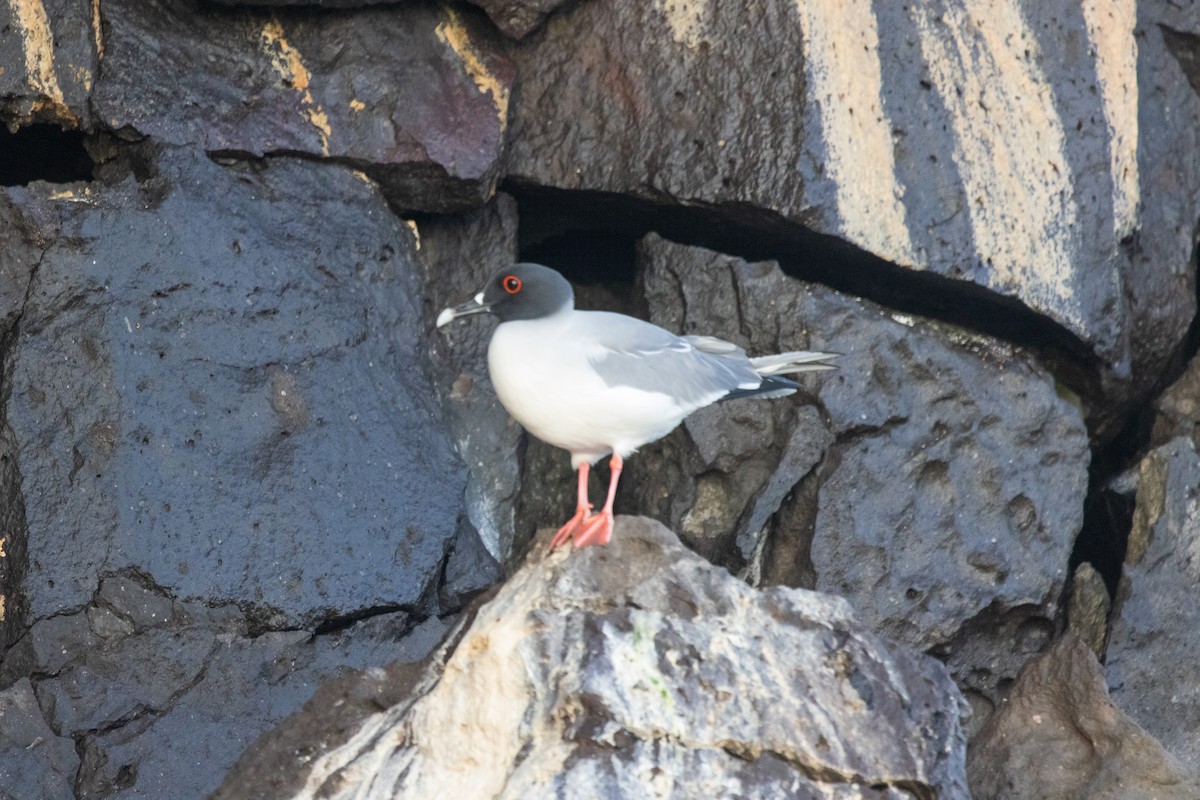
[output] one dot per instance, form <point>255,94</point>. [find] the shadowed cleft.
<point>43,153</point>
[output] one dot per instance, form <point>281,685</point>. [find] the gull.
<point>596,383</point>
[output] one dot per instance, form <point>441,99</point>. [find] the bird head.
<point>522,291</point>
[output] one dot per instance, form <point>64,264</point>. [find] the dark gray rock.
<point>274,764</point>
<point>49,646</point>
<point>22,247</point>
<point>49,52</point>
<point>1168,133</point>
<point>302,3</point>
<point>1153,639</point>
<point>34,761</point>
<point>470,569</point>
<point>416,95</point>
<point>638,669</point>
<point>13,558</point>
<point>166,710</point>
<point>457,256</point>
<point>1060,737</point>
<point>131,600</point>
<point>216,384</point>
<point>936,479</point>
<point>107,687</point>
<point>248,686</point>
<point>518,18</point>
<point>1040,154</point>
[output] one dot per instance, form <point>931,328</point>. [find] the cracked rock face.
<point>1007,146</point>
<point>50,52</point>
<point>925,446</point>
<point>238,464</point>
<point>417,100</point>
<point>209,388</point>
<point>34,760</point>
<point>640,669</point>
<point>1157,616</point>
<point>146,697</point>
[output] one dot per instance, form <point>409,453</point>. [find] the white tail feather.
<point>791,363</point>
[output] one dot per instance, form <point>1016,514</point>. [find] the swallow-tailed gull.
<point>595,382</point>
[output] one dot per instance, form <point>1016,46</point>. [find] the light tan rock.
<point>640,670</point>
<point>1060,737</point>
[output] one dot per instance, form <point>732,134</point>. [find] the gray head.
<point>522,291</point>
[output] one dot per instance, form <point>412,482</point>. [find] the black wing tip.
<point>770,384</point>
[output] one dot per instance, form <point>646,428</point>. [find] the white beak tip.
<point>444,317</point>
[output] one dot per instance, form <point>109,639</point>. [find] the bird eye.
<point>511,284</point>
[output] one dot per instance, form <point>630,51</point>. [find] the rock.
<point>1087,612</point>
<point>415,96</point>
<point>641,670</point>
<point>303,3</point>
<point>13,557</point>
<point>334,713</point>
<point>1168,133</point>
<point>1156,615</point>
<point>1001,147</point>
<point>49,52</point>
<point>1176,412</point>
<point>48,647</point>
<point>928,446</point>
<point>22,247</point>
<point>515,18</point>
<point>34,761</point>
<point>167,702</point>
<point>216,384</point>
<point>1060,737</point>
<point>198,739</point>
<point>457,255</point>
<point>518,18</point>
<point>470,569</point>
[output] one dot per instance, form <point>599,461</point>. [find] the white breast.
<point>543,377</point>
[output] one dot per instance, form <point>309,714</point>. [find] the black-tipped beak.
<point>473,306</point>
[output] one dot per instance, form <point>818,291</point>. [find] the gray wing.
<point>695,370</point>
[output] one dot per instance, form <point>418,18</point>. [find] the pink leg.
<point>598,528</point>
<point>582,508</point>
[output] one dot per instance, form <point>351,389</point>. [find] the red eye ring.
<point>511,284</point>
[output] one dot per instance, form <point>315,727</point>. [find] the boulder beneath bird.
<point>639,669</point>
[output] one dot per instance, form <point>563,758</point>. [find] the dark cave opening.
<point>43,153</point>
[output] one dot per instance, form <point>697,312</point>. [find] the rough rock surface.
<point>222,393</point>
<point>1059,737</point>
<point>458,255</point>
<point>516,18</point>
<point>159,697</point>
<point>22,247</point>
<point>418,100</point>
<point>641,670</point>
<point>1005,145</point>
<point>49,51</point>
<point>1157,616</point>
<point>926,446</point>
<point>226,426</point>
<point>34,761</point>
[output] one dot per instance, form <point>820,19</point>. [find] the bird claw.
<point>595,530</point>
<point>568,530</point>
